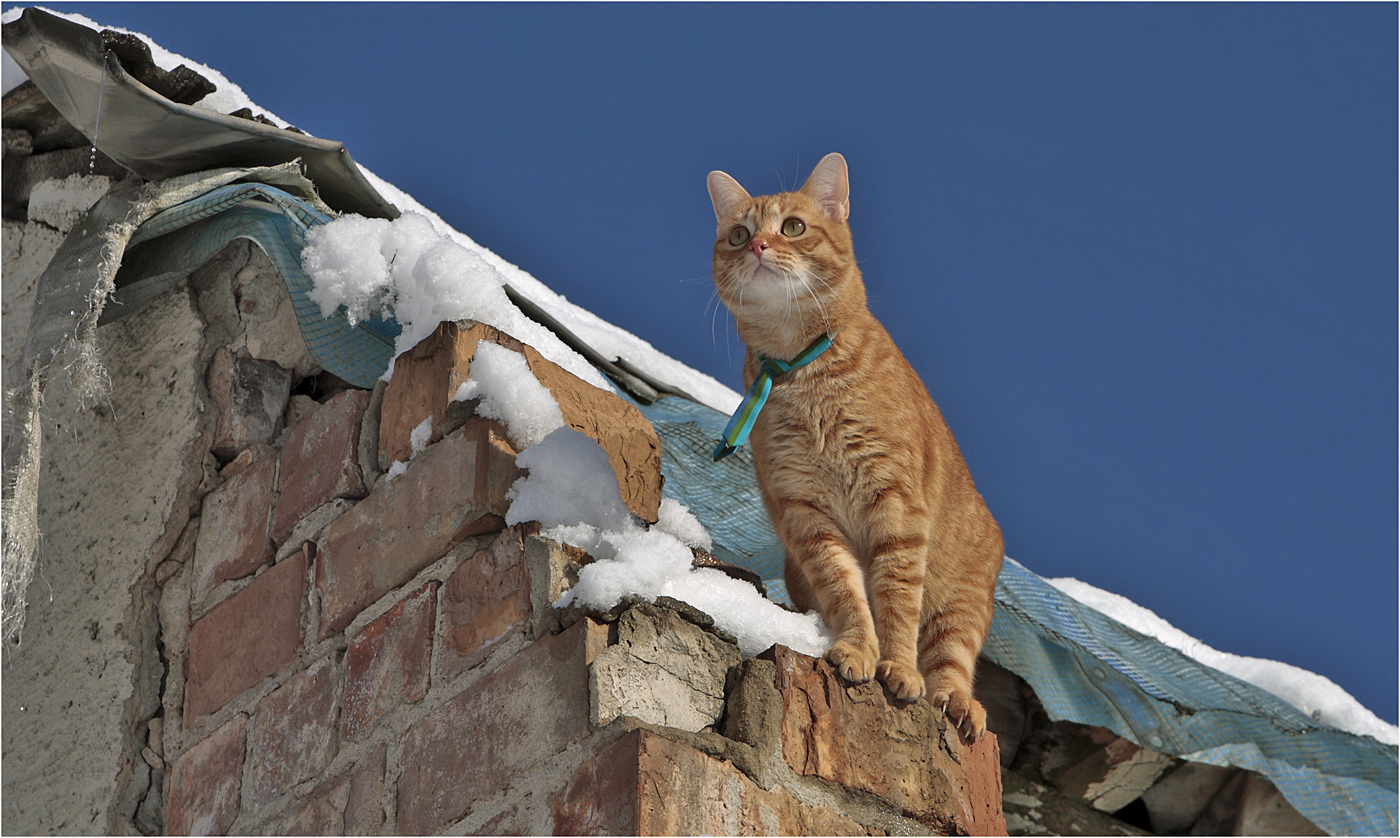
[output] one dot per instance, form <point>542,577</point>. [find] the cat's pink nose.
<point>758,246</point>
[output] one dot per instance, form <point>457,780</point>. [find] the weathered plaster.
<point>114,496</point>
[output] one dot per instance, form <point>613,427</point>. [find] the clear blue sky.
<point>1144,256</point>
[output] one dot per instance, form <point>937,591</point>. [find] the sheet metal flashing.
<point>157,138</point>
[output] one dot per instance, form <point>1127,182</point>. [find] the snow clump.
<point>511,394</point>
<point>406,269</point>
<point>572,491</point>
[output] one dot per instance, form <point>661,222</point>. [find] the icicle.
<point>97,123</point>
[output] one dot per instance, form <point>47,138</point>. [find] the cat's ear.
<point>726,194</point>
<point>829,186</point>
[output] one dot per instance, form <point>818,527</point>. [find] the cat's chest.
<point>809,416</point>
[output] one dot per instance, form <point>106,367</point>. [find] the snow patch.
<point>510,393</point>
<point>675,519</point>
<point>419,436</point>
<point>1309,692</point>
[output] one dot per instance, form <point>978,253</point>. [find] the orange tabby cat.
<point>885,534</point>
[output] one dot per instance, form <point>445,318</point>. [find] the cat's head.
<point>786,260</point>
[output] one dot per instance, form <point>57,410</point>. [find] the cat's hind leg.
<point>948,645</point>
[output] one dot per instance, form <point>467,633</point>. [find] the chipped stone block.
<point>483,601</point>
<point>454,490</point>
<point>299,408</point>
<point>663,670</point>
<point>60,203</point>
<point>552,569</point>
<point>320,461</point>
<point>233,540</point>
<point>921,765</point>
<point>427,376</point>
<point>645,784</point>
<point>24,173</point>
<point>267,324</point>
<point>245,638</point>
<point>387,662</point>
<point>205,788</point>
<point>484,739</point>
<point>251,396</point>
<point>294,734</point>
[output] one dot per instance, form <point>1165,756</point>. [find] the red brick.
<point>645,784</point>
<point>246,638</point>
<point>483,601</point>
<point>233,540</point>
<point>856,736</point>
<point>346,805</point>
<point>428,375</point>
<point>480,741</point>
<point>388,660</point>
<point>320,461</point>
<point>251,396</point>
<point>454,490</point>
<point>206,782</point>
<point>294,733</point>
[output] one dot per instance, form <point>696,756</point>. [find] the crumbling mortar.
<point>368,451</point>
<point>140,627</point>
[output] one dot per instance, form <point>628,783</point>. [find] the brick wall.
<point>356,654</point>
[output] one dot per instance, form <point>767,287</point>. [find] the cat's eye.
<point>738,235</point>
<point>793,227</point>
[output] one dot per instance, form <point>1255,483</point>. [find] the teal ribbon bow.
<point>741,423</point>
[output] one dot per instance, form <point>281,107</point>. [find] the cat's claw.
<point>854,663</point>
<point>903,681</point>
<point>966,713</point>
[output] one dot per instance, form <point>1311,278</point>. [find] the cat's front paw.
<point>854,662</point>
<point>964,711</point>
<point>904,682</point>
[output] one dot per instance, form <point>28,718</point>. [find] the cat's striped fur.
<point>885,534</point>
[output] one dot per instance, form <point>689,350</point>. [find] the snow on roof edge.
<point>1314,694</point>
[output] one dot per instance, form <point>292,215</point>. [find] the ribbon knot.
<point>741,423</point>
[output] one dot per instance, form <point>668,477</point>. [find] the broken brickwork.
<point>371,655</point>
